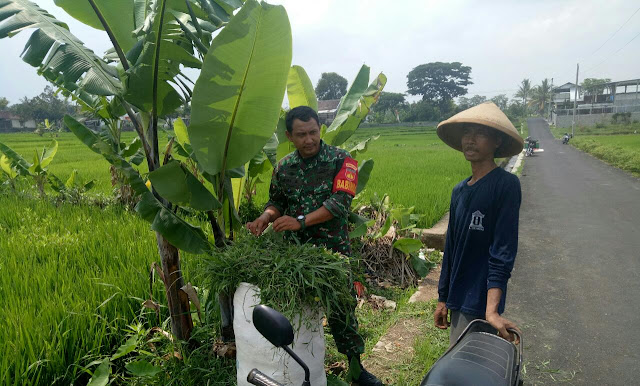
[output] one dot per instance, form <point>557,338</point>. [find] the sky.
<point>502,41</point>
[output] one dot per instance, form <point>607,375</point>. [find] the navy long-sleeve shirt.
<point>482,241</point>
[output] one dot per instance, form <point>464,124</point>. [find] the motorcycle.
<point>479,356</point>
<point>277,329</point>
<point>530,145</point>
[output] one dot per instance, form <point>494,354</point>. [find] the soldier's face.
<point>479,143</point>
<point>305,137</point>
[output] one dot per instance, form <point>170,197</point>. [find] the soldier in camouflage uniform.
<point>310,196</point>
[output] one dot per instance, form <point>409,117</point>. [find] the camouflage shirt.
<point>300,186</point>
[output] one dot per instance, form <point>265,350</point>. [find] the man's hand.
<point>286,223</point>
<point>441,316</point>
<point>258,225</point>
<point>502,324</point>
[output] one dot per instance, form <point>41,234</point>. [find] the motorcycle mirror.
<point>273,325</point>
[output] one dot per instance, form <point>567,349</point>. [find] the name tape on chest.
<point>347,178</point>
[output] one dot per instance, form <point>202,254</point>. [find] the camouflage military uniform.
<point>301,186</point>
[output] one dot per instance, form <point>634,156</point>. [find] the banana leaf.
<point>300,89</point>
<point>236,100</point>
<point>6,167</point>
<point>122,16</point>
<point>178,232</point>
<point>364,172</point>
<point>176,184</point>
<point>354,107</point>
<point>16,162</point>
<point>55,50</point>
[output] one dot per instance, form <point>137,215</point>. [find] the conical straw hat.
<point>487,114</point>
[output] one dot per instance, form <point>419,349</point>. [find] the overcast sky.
<point>503,41</point>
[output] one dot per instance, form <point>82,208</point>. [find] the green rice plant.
<point>292,277</point>
<point>71,278</point>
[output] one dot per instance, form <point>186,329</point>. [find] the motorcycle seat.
<point>478,358</point>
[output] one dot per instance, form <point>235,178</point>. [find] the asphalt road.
<point>575,289</point>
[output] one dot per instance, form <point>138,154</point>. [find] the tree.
<point>47,105</point>
<point>524,92</point>
<point>331,86</point>
<point>514,109</point>
<point>390,101</point>
<point>466,103</point>
<point>541,96</point>
<point>501,101</point>
<point>389,106</point>
<point>439,82</point>
<point>421,111</point>
<point>594,87</point>
<point>4,103</point>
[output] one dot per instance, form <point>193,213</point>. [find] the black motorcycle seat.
<point>479,358</point>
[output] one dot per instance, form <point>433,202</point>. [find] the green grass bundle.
<point>291,276</point>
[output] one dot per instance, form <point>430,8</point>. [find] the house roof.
<point>8,115</point>
<point>328,105</point>
<point>565,86</point>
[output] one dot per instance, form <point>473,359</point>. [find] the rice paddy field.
<point>73,277</point>
<point>412,166</point>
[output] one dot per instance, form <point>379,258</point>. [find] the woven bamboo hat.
<point>486,114</point>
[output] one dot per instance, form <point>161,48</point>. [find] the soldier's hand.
<point>441,316</point>
<point>286,223</point>
<point>258,225</point>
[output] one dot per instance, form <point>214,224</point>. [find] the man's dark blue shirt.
<point>482,241</point>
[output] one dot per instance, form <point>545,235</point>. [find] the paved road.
<point>576,284</point>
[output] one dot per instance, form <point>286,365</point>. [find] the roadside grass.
<point>621,151</point>
<point>600,129</point>
<point>617,145</point>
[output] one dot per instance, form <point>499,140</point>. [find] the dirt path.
<point>396,346</point>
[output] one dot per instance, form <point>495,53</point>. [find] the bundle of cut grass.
<point>292,277</point>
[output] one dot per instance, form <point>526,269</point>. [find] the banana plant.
<point>73,188</point>
<point>9,171</point>
<point>37,169</point>
<point>234,101</point>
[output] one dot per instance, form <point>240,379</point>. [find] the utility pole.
<point>575,101</point>
<point>550,99</point>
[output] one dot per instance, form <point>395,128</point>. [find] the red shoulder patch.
<point>347,178</point>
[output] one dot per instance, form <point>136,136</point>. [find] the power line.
<point>614,34</point>
<point>611,55</point>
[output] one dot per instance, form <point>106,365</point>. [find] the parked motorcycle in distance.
<point>479,356</point>
<point>530,145</point>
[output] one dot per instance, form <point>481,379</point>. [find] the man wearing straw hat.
<point>482,237</point>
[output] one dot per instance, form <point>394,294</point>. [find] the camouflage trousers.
<point>344,328</point>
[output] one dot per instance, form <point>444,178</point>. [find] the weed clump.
<point>291,276</point>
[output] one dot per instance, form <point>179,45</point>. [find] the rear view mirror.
<point>273,325</point>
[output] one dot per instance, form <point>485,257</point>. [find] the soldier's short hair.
<point>303,113</point>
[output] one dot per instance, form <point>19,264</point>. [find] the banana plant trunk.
<point>177,299</point>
